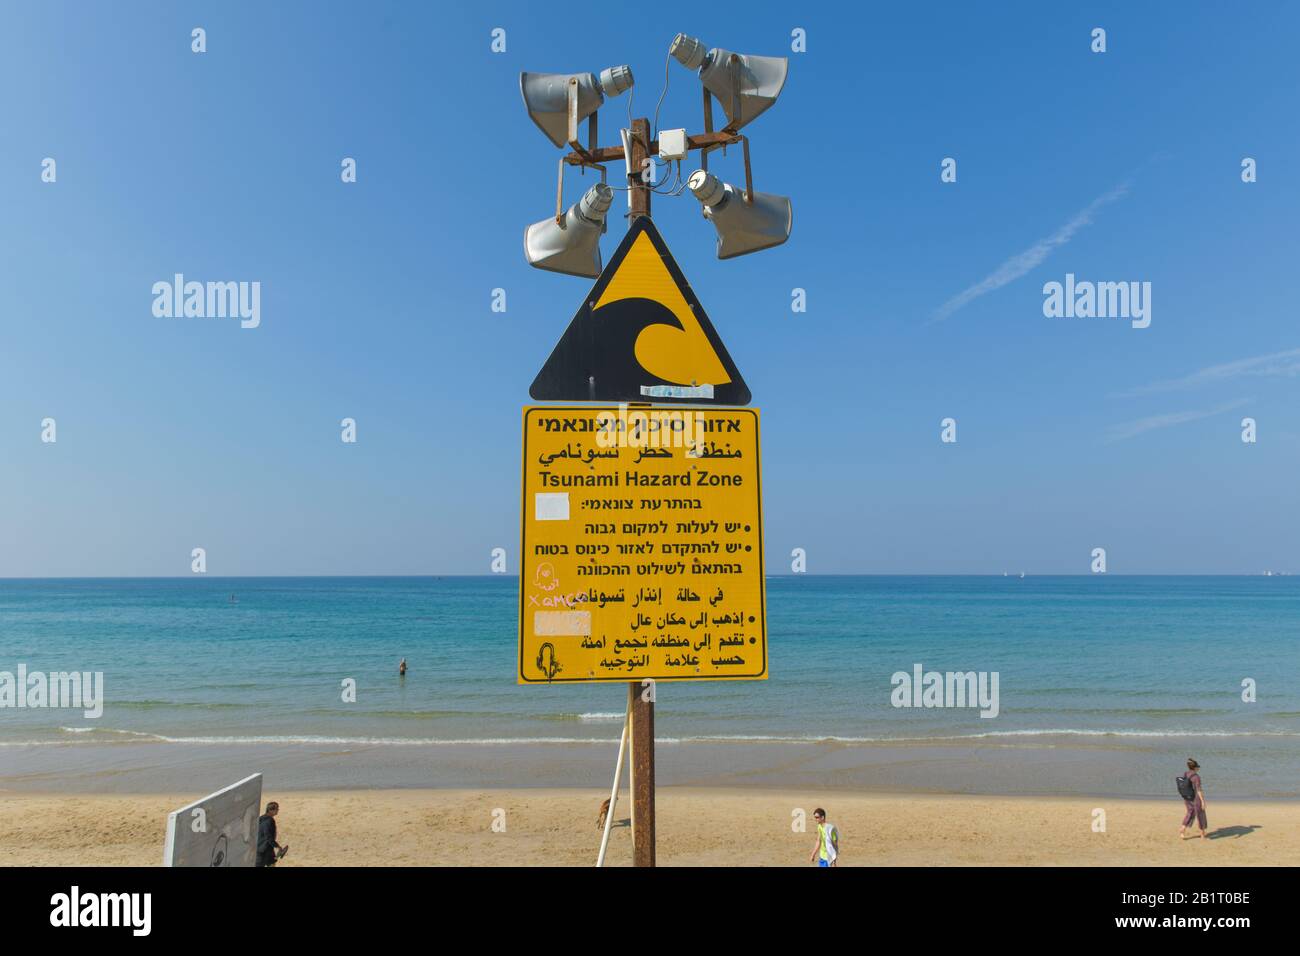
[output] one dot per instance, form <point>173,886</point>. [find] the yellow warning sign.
<point>642,545</point>
<point>641,335</point>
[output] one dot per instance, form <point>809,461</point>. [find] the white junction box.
<point>672,144</point>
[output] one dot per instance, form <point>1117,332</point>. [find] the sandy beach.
<point>697,827</point>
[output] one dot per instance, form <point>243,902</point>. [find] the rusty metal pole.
<point>640,152</point>
<point>643,774</point>
<point>642,710</point>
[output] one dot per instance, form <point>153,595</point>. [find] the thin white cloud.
<point>1023,262</point>
<point>1261,366</point>
<point>1126,430</point>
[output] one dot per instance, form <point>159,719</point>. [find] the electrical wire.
<point>668,166</point>
<point>669,191</point>
<point>655,187</point>
<point>667,63</point>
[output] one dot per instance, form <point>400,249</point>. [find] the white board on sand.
<point>219,830</point>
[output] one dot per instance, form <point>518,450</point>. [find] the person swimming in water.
<point>401,668</point>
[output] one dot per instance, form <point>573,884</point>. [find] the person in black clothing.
<point>267,848</point>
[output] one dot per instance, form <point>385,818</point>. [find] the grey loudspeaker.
<point>571,246</point>
<point>745,85</point>
<point>546,95</point>
<point>742,227</point>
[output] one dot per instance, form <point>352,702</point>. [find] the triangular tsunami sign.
<point>641,336</point>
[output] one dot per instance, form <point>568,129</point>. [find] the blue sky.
<point>1072,433</point>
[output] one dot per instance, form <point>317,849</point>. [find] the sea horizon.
<point>1088,667</point>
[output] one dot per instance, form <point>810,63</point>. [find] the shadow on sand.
<point>1222,832</point>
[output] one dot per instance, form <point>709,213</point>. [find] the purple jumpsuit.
<point>1194,809</point>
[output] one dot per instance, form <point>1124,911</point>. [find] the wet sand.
<point>1055,767</point>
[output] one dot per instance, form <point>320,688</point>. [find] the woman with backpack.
<point>1193,794</point>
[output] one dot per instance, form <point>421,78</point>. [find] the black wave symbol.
<point>617,326</point>
<point>596,358</point>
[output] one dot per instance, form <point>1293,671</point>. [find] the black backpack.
<point>1186,789</point>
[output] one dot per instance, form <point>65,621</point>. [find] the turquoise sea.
<point>1142,664</point>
